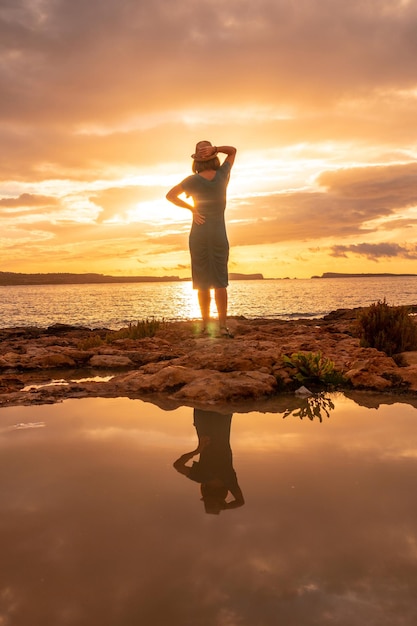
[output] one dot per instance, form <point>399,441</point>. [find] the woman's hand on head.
<point>208,151</point>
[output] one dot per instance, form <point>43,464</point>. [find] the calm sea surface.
<point>114,305</point>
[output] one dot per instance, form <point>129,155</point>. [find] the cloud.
<point>28,200</point>
<point>354,202</point>
<point>88,85</point>
<point>72,54</point>
<point>98,94</point>
<point>376,251</point>
<point>116,201</point>
<point>79,62</point>
<point>393,184</point>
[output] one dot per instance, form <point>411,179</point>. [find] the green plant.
<point>140,330</point>
<point>311,366</point>
<point>387,328</point>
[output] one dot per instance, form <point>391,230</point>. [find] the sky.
<point>102,103</point>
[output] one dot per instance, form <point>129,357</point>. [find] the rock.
<point>303,392</point>
<point>378,371</point>
<point>409,358</point>
<point>188,368</point>
<point>10,360</point>
<point>365,380</point>
<point>9,384</point>
<point>110,361</point>
<point>58,329</point>
<point>165,379</point>
<point>214,387</point>
<point>409,376</point>
<point>52,360</point>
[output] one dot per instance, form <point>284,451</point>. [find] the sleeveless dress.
<point>216,460</point>
<point>209,246</point>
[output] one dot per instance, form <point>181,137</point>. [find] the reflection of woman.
<point>209,246</point>
<point>214,470</point>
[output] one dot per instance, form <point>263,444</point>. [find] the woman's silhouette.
<point>214,470</point>
<point>209,246</point>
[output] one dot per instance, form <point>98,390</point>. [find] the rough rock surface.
<point>186,367</point>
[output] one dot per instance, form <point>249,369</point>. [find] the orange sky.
<point>103,101</point>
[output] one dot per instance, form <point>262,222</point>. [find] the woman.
<point>214,470</point>
<point>209,247</point>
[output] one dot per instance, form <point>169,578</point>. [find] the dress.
<point>216,461</point>
<point>209,246</point>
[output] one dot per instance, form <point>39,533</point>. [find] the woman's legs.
<point>204,302</point>
<point>220,296</point>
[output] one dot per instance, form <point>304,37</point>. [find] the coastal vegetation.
<point>140,330</point>
<point>390,329</point>
<point>312,367</point>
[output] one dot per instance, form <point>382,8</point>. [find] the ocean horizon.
<point>113,305</point>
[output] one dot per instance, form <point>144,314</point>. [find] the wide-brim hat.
<point>197,154</point>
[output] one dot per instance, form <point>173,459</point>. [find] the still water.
<point>98,528</point>
<point>115,305</point>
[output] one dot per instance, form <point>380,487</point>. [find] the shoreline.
<point>180,366</point>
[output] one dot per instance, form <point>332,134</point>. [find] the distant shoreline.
<point>365,275</point>
<point>66,278</point>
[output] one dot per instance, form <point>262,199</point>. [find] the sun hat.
<point>197,155</point>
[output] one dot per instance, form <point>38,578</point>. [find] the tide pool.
<point>99,527</point>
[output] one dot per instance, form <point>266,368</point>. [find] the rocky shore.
<point>181,366</point>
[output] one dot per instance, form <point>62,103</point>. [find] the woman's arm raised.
<point>230,151</point>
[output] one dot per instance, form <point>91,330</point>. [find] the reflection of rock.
<point>189,368</point>
<point>374,399</point>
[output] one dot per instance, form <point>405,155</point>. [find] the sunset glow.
<point>103,103</point>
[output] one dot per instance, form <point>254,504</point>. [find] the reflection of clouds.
<point>101,530</point>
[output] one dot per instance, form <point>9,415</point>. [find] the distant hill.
<point>370,275</point>
<point>65,278</point>
<point>11,278</point>
<point>234,276</point>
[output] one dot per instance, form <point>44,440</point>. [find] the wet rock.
<point>110,361</point>
<point>214,387</point>
<point>409,376</point>
<point>409,358</point>
<point>10,384</point>
<point>190,368</point>
<point>165,379</point>
<point>58,329</point>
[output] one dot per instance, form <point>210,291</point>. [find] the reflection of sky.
<point>98,528</point>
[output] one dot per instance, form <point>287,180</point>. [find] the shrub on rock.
<point>389,329</point>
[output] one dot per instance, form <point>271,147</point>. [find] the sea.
<point>116,305</point>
